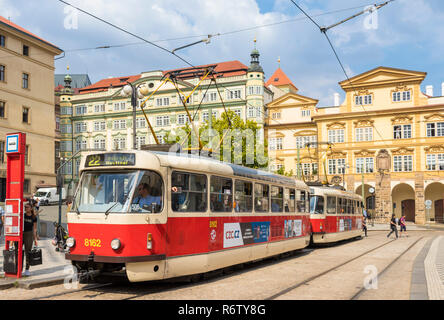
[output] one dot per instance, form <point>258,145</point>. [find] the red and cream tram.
<point>160,215</point>
<point>334,214</point>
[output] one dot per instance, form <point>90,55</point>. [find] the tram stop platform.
<point>54,270</point>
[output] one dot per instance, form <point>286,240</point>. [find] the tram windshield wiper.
<point>110,208</point>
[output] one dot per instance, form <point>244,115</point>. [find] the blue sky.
<point>407,35</point>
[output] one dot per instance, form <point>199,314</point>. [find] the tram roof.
<point>335,192</point>
<point>236,170</point>
<point>198,163</point>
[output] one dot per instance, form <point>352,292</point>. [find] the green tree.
<point>237,143</point>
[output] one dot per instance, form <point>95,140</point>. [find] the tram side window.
<point>148,194</point>
<point>301,202</point>
<point>317,204</point>
<point>289,200</point>
<point>261,197</point>
<point>277,199</point>
<point>221,194</point>
<point>188,192</point>
<point>243,196</point>
<point>341,205</point>
<point>331,205</point>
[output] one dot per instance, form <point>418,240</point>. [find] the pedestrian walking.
<point>402,224</point>
<point>393,226</point>
<point>29,233</point>
<point>364,225</point>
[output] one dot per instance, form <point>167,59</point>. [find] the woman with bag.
<point>29,234</point>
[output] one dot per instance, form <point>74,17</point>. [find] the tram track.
<point>299,284</point>
<point>318,275</point>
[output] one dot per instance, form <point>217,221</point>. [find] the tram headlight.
<point>115,244</point>
<point>70,242</point>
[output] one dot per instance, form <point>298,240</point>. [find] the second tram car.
<point>159,215</point>
<point>335,214</point>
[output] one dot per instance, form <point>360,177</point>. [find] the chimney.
<point>337,97</point>
<point>429,91</point>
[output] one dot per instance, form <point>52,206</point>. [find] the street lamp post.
<point>131,90</point>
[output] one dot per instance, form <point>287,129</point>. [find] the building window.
<point>301,141</point>
<point>140,123</point>
<point>181,99</point>
<point>402,131</point>
<point>80,127</point>
<point>403,163</point>
<point>99,126</point>
<point>238,112</point>
<point>336,166</point>
<point>119,124</point>
<point>80,145</point>
<point>2,41</point>
<point>2,109</point>
<point>364,165</point>
<point>309,168</point>
<point>401,96</point>
<point>276,115</point>
<point>140,141</point>
<point>26,186</point>
<point>99,143</point>
<point>2,73</point>
<point>119,143</point>
<point>275,143</point>
<point>25,50</point>
<point>119,106</point>
<point>25,81</point>
<point>364,134</point>
<point>435,129</point>
<point>162,102</point>
<point>305,113</point>
<point>258,90</point>
<point>99,108</point>
<point>234,94</point>
<point>162,121</point>
<point>81,110</point>
<point>363,100</point>
<point>210,96</point>
<point>435,162</point>
<point>182,119</point>
<point>25,115</point>
<point>336,136</point>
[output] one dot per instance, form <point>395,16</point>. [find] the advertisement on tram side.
<point>293,228</point>
<point>238,234</point>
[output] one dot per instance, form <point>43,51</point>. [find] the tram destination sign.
<point>110,159</point>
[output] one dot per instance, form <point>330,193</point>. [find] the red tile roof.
<point>225,69</point>
<point>22,30</point>
<point>104,84</point>
<point>279,78</point>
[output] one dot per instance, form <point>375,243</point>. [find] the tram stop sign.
<point>428,204</point>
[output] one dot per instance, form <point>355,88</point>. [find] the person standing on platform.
<point>29,233</point>
<point>364,225</point>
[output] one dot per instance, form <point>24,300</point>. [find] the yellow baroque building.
<point>386,137</point>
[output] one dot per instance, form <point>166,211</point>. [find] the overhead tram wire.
<point>128,32</point>
<point>324,31</point>
<point>214,35</point>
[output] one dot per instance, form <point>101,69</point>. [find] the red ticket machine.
<point>15,177</point>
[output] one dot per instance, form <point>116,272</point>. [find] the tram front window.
<point>316,205</point>
<point>118,192</point>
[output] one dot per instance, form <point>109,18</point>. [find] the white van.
<point>49,195</point>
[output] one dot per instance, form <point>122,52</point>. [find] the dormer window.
<point>122,80</point>
<point>401,96</point>
<point>363,100</point>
